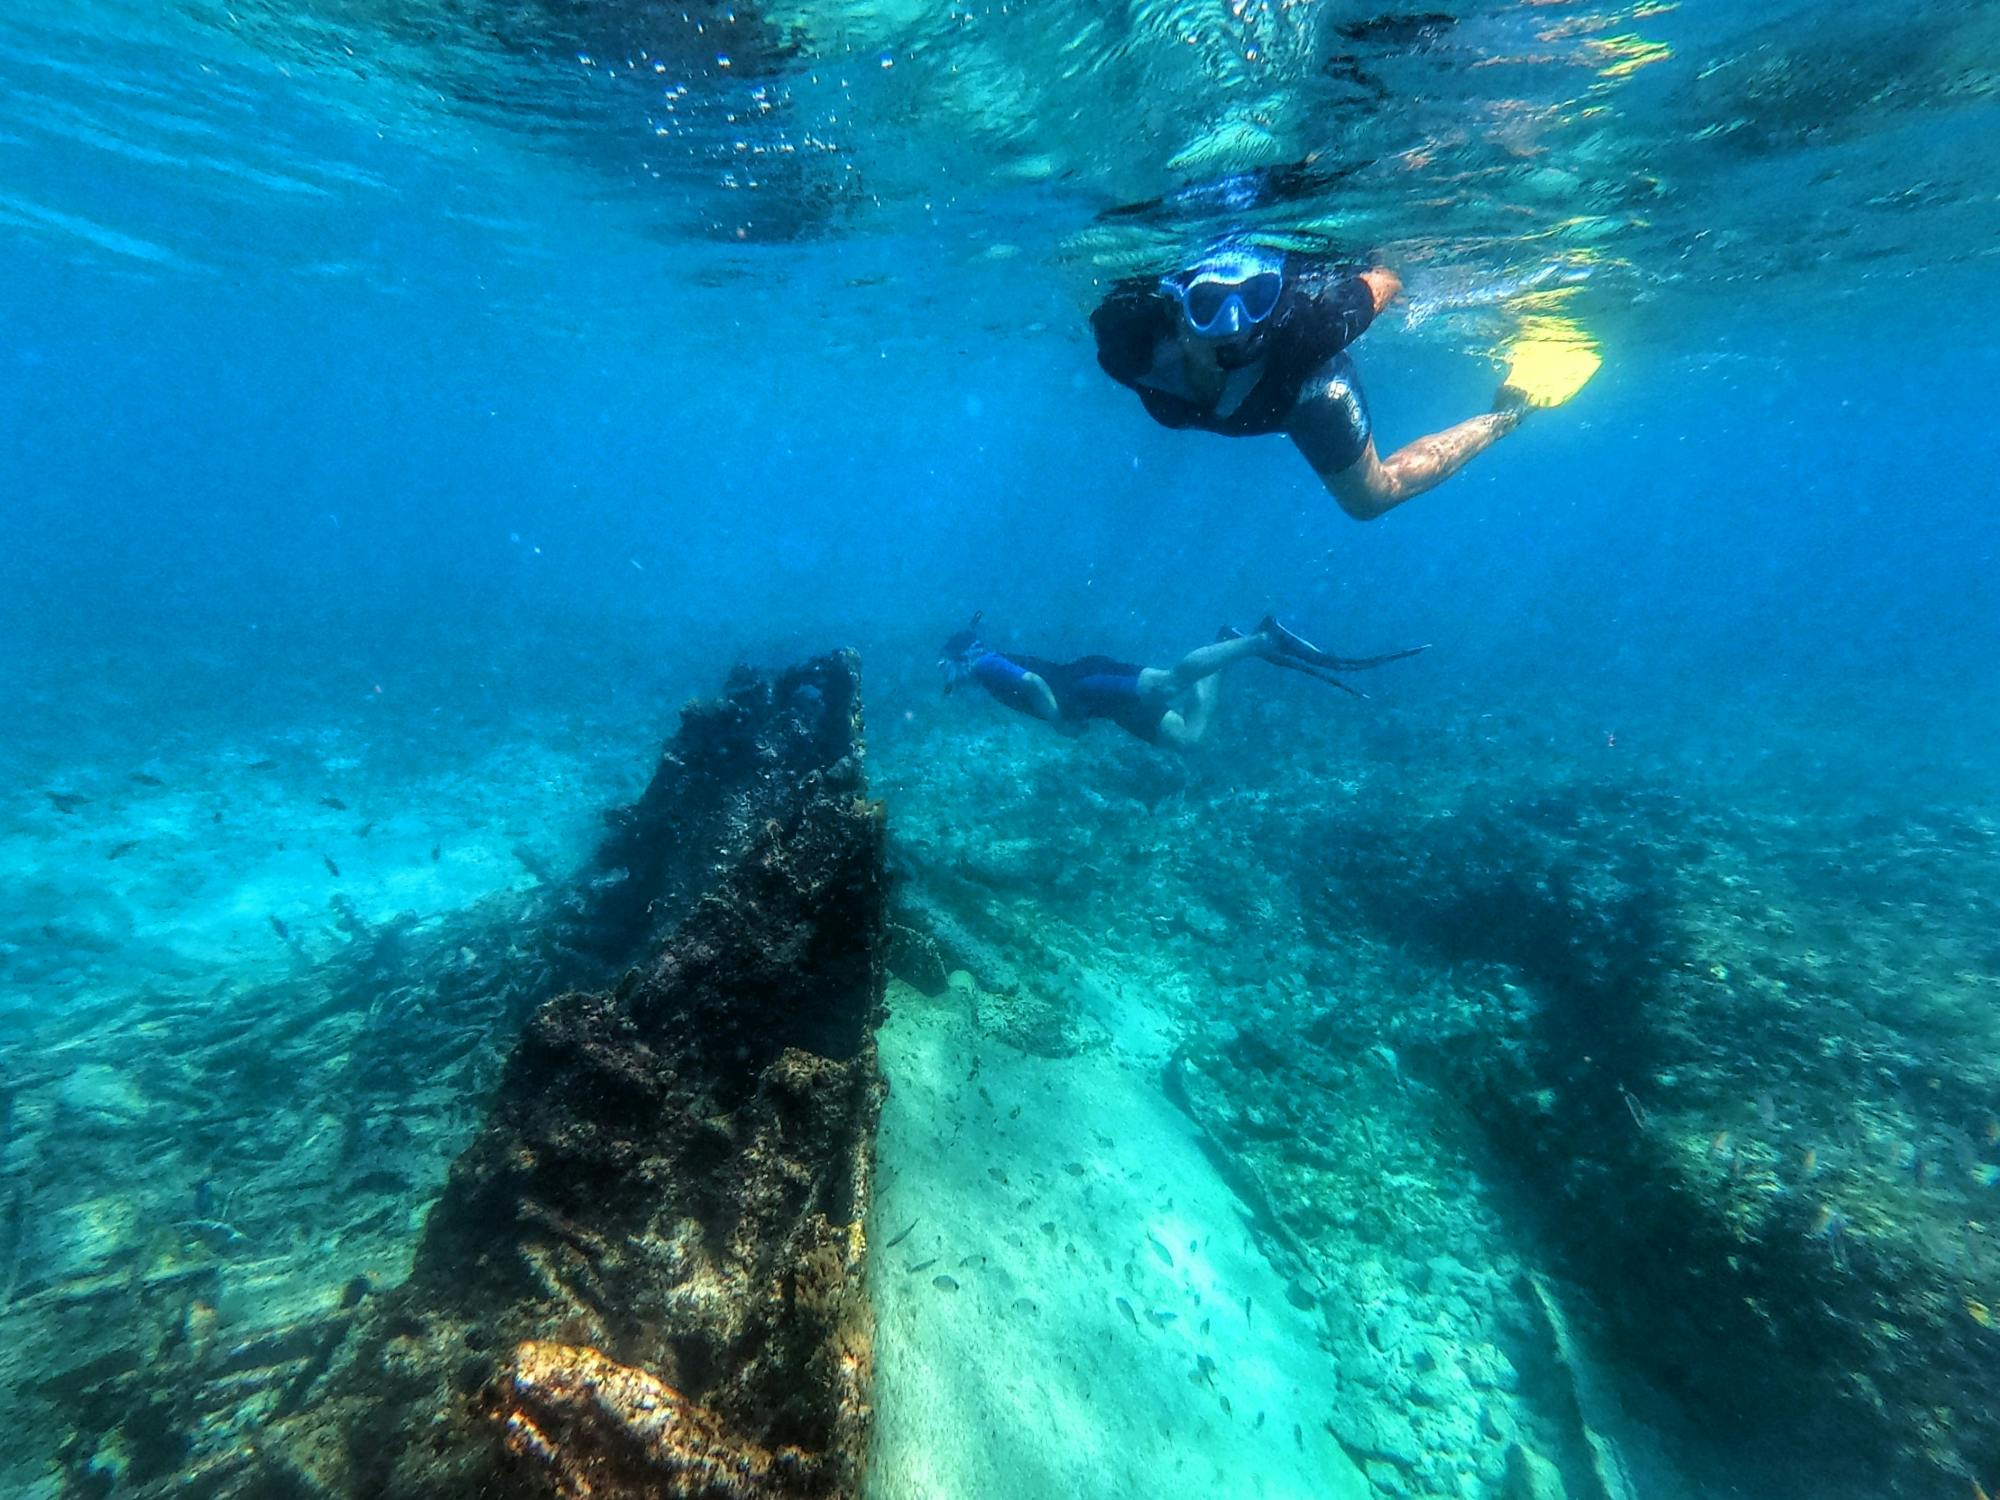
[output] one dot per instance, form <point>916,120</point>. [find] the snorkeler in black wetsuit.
<point>1140,700</point>
<point>1248,341</point>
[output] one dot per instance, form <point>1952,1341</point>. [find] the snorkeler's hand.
<point>1384,286</point>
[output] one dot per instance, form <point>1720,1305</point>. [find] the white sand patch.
<point>1093,1264</point>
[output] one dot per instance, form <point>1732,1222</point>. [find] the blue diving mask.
<point>1227,293</point>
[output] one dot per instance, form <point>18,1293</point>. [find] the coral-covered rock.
<point>600,1427</point>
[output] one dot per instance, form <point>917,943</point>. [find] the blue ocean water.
<point>404,409</point>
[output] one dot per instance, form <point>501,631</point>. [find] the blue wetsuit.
<point>1091,687</point>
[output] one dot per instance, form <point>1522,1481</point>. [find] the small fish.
<point>331,868</point>
<point>365,829</point>
<point>1014,1113</point>
<point>119,851</point>
<point>1159,1319</point>
<point>1718,1143</point>
<point>1204,1370</point>
<point>922,1265</point>
<point>1225,1407</point>
<point>1979,1313</point>
<point>1809,1161</point>
<point>903,1236</point>
<point>1025,1307</point>
<point>1204,1326</point>
<point>1246,1309</point>
<point>437,851</point>
<point>1048,1226</point>
<point>143,779</point>
<point>944,1283</point>
<point>997,1175</point>
<point>532,863</point>
<point>1166,1256</point>
<point>1075,1168</point>
<point>1258,1424</point>
<point>66,802</point>
<point>333,802</point>
<point>972,1260</point>
<point>262,765</point>
<point>1299,1436</point>
<point>1830,1225</point>
<point>278,926</point>
<point>213,1233</point>
<point>1126,1308</point>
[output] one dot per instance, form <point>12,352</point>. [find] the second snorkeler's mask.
<point>956,655</point>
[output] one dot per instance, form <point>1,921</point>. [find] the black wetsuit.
<point>1091,687</point>
<point>1321,310</point>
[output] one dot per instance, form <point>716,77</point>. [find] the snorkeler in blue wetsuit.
<point>1249,341</point>
<point>1160,705</point>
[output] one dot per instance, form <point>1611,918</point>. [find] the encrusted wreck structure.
<point>644,1276</point>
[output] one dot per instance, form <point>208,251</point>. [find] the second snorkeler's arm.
<point>1039,699</point>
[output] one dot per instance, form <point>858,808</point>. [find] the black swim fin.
<point>1292,664</point>
<point>1296,649</point>
<point>1318,674</point>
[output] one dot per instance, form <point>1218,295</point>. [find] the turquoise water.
<point>1573,1065</point>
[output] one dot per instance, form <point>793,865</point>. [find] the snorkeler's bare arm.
<point>1040,698</point>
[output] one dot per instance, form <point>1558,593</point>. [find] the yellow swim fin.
<point>1551,361</point>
